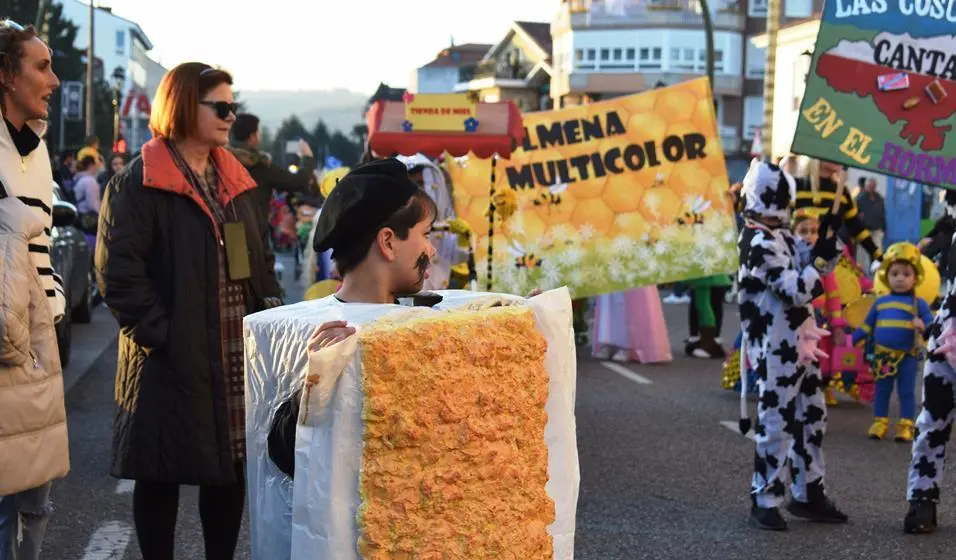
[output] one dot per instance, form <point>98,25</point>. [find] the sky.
<point>321,44</point>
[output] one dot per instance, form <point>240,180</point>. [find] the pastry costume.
<point>777,284</point>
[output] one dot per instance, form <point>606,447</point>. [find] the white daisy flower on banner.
<point>622,245</point>
<point>577,278</point>
<point>586,232</point>
<point>617,271</point>
<point>572,256</point>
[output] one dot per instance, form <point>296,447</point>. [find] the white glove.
<point>946,343</point>
<point>875,266</point>
<point>808,342</point>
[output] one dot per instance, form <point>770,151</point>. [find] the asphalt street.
<point>661,476</point>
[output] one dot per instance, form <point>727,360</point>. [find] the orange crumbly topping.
<point>455,463</point>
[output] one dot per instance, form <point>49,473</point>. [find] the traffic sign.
<point>71,100</point>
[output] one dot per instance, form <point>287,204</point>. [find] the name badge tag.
<point>237,251</point>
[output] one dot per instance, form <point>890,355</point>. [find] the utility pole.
<point>41,8</point>
<point>90,56</point>
<point>709,39</point>
<point>773,25</point>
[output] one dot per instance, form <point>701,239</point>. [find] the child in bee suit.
<point>779,277</point>
<point>895,326</point>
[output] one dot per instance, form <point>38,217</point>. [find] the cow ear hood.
<point>768,191</point>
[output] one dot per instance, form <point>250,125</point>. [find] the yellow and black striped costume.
<point>821,202</point>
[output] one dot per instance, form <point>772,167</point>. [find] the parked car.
<point>72,259</point>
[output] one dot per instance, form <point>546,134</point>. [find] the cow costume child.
<point>935,422</point>
<point>777,284</point>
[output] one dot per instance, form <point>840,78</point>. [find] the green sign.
<point>881,91</point>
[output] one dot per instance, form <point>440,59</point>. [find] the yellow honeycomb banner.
<point>613,195</point>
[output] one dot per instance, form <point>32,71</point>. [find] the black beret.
<point>362,202</point>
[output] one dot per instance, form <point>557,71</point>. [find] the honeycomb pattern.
<point>635,204</point>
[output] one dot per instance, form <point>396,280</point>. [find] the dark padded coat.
<point>157,267</point>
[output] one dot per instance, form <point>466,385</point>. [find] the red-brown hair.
<point>175,110</point>
<point>11,48</point>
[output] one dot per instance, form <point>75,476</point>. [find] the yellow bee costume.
<point>897,344</point>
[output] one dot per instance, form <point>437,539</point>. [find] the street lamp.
<point>119,78</point>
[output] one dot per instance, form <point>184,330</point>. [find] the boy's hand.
<point>919,324</point>
<point>328,334</point>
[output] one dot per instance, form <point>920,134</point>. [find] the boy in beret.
<point>377,223</point>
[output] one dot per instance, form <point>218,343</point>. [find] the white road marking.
<point>625,372</point>
<point>734,427</point>
<point>124,486</point>
<point>109,542</point>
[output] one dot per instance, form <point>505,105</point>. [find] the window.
<point>617,54</point>
<point>590,54</point>
<point>579,55</point>
<point>629,54</point>
<point>757,8</point>
<point>718,60</point>
<point>798,8</point>
<point>120,42</point>
<point>605,54</point>
<point>756,61</point>
<point>650,58</point>
<point>682,59</point>
<point>753,115</point>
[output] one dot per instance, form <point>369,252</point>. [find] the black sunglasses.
<point>222,108</point>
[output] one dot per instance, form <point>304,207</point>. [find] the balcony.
<point>727,16</point>
<point>501,71</point>
<point>632,82</point>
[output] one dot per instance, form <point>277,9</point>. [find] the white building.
<point>452,65</point>
<point>609,48</point>
<point>119,43</point>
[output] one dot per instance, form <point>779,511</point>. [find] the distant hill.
<point>340,109</point>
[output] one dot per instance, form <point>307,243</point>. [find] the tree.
<point>344,149</point>
<point>290,130</point>
<point>321,138</point>
<point>266,140</point>
<point>69,64</point>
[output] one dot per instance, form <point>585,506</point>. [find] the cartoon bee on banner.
<point>524,259</point>
<point>694,214</point>
<point>552,196</point>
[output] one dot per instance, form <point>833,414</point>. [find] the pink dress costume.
<point>631,324</point>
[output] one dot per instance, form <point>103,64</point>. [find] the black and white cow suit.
<point>777,284</point>
<point>935,422</point>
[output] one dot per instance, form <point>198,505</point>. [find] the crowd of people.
<point>184,252</point>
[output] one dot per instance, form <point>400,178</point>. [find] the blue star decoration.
<point>471,124</point>
<point>407,126</point>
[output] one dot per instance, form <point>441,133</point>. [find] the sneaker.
<point>671,298</point>
<point>905,430</point>
<point>879,428</point>
<point>622,356</point>
<point>604,353</point>
<point>683,299</point>
<point>920,519</point>
<point>821,510</point>
<point>768,519</point>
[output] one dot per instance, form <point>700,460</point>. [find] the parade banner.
<point>608,196</point>
<point>881,91</point>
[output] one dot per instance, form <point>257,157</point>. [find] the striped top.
<point>26,173</point>
<point>822,200</point>
<point>890,321</point>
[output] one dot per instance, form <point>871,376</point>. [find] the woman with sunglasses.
<point>180,260</point>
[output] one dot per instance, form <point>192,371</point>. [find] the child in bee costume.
<point>895,326</point>
<point>778,279</point>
